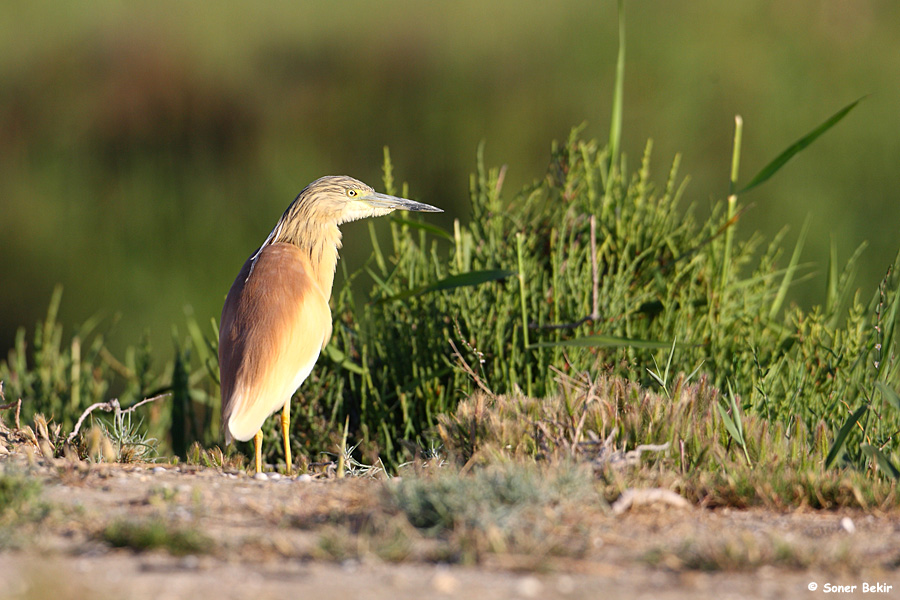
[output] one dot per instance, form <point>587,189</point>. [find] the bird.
<point>276,318</point>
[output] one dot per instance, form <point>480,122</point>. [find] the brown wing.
<point>274,325</point>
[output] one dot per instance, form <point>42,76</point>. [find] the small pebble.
<point>158,470</point>
<point>529,587</point>
<point>261,477</point>
<point>444,583</point>
<point>304,478</point>
<point>274,476</point>
<point>847,525</point>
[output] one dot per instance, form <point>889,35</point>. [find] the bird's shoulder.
<point>278,280</point>
<point>284,267</point>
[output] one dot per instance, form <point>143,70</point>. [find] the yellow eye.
<point>351,193</point>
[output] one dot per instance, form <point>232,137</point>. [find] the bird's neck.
<point>319,241</point>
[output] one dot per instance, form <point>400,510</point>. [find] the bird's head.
<point>339,199</point>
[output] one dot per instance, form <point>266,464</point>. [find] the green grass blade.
<point>789,274</point>
<point>657,378</point>
<point>843,288</point>
<point>694,372</point>
<point>522,293</point>
<point>453,281</point>
<point>671,355</point>
<point>388,173</point>
<point>733,423</point>
<point>201,346</point>
<point>379,282</point>
<point>342,359</point>
<point>736,413</point>
<point>615,126</point>
<point>797,147</point>
<point>729,423</point>
<point>376,248</point>
<point>883,462</point>
<point>732,198</point>
<point>889,394</point>
<point>889,326</point>
<point>831,285</point>
<point>838,446</point>
<point>736,154</point>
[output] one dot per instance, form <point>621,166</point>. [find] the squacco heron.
<point>276,318</point>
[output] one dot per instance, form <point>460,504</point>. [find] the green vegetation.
<point>635,438</point>
<point>20,505</point>
<point>63,378</point>
<point>661,282</point>
<point>156,534</point>
<point>17,492</point>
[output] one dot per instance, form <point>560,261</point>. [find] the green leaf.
<point>454,281</point>
<point>729,425</point>
<point>343,360</point>
<point>838,446</point>
<point>789,274</point>
<point>798,146</point>
<point>884,463</point>
<point>733,422</point>
<point>889,394</point>
<point>605,341</point>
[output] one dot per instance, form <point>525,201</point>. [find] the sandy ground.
<point>267,536</point>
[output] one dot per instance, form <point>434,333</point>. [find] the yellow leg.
<point>257,442</point>
<point>285,430</point>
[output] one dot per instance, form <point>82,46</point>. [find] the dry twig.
<point>634,497</point>
<point>470,371</point>
<point>111,406</point>
<point>608,456</point>
<point>17,404</point>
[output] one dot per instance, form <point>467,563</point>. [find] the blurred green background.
<point>146,148</point>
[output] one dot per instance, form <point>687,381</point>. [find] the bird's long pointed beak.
<point>376,200</point>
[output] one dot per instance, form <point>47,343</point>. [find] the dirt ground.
<point>267,537</point>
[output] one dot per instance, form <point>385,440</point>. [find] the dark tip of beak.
<point>393,202</point>
<point>418,206</point>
